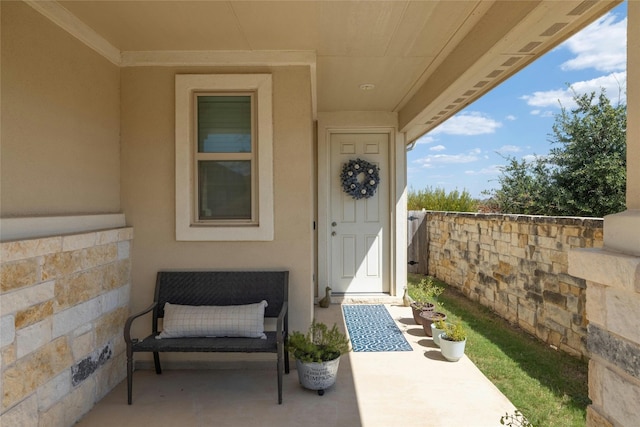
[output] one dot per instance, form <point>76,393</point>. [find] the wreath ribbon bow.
<point>354,185</point>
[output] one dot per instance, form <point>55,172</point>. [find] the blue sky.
<point>516,118</point>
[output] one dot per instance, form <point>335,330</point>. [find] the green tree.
<point>584,175</point>
<point>591,159</point>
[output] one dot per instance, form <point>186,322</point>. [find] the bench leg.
<point>156,362</point>
<point>286,362</point>
<point>279,380</point>
<point>129,374</point>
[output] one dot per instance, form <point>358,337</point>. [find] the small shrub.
<point>319,344</point>
<point>439,200</point>
<point>455,332</point>
<point>515,420</point>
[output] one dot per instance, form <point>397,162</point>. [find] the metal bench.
<point>215,288</point>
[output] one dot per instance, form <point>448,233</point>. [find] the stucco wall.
<point>63,304</point>
<point>148,188</point>
<point>60,121</point>
<point>518,266</point>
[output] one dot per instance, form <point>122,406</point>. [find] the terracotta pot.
<point>428,317</point>
<point>419,309</point>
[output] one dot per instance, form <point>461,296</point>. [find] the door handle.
<point>333,233</point>
<point>333,224</point>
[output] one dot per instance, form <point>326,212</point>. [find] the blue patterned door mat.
<point>371,328</point>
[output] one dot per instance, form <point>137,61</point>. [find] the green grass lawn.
<point>549,387</point>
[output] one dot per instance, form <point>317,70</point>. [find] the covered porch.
<point>98,188</point>
<point>402,388</point>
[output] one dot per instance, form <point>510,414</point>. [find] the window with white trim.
<point>224,172</point>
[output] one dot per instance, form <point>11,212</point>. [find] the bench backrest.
<point>221,288</point>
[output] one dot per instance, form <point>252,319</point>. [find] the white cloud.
<point>433,160</point>
<point>468,123</point>
<point>509,149</point>
<point>438,148</point>
<point>511,117</point>
<point>614,84</point>
<point>602,46</point>
<point>491,170</point>
<point>529,158</point>
<point>425,139</point>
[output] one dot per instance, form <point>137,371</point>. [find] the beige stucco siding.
<point>60,121</point>
<point>148,186</point>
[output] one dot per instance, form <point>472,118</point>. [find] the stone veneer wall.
<point>518,266</point>
<point>63,304</point>
<point>613,305</point>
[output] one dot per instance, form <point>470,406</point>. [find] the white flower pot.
<point>318,376</point>
<point>435,333</point>
<point>451,350</point>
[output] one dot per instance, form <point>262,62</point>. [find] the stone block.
<point>34,314</point>
<point>595,379</point>
<point>33,337</point>
<point>622,309</point>
<point>61,264</point>
<point>557,315</point>
<point>32,248</point>
<point>24,414</point>
<point>615,350</point>
<point>110,325</point>
<point>7,330</point>
<point>74,317</point>
<point>80,287</point>
<point>19,274</point>
<point>22,299</point>
<point>78,241</point>
<point>527,316</point>
<point>54,390</point>
<point>107,236</point>
<point>27,374</point>
<point>99,255</point>
<point>8,355</point>
<point>596,306</point>
<point>124,250</point>
<point>620,402</point>
<point>554,297</point>
<point>83,344</point>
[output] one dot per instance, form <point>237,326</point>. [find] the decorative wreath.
<point>355,186</point>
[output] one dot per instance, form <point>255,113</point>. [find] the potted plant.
<point>453,341</point>
<point>438,327</point>
<point>425,295</point>
<point>317,355</point>
<point>428,317</point>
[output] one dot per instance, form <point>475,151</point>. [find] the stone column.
<point>613,278</point>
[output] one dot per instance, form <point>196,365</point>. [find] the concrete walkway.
<point>414,388</point>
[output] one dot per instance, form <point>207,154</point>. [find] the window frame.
<point>252,156</point>
<point>188,225</point>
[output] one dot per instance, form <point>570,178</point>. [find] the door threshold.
<point>365,298</point>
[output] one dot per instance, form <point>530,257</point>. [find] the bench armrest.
<point>127,325</point>
<point>280,322</point>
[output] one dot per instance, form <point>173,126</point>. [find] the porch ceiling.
<point>427,59</point>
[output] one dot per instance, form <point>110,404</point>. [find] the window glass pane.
<point>225,190</point>
<point>224,124</point>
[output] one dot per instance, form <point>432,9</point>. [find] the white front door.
<point>359,228</point>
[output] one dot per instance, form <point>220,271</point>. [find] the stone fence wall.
<point>517,265</point>
<point>63,304</point>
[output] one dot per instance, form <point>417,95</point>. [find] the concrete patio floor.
<point>412,388</point>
